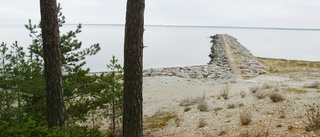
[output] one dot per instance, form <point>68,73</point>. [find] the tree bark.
<point>133,65</point>
<point>52,63</point>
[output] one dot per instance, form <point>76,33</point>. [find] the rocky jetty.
<point>246,62</point>
<point>199,72</point>
<point>219,65</point>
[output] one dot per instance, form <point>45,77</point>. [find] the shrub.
<point>177,121</point>
<point>225,93</point>
<point>202,123</point>
<point>203,106</point>
<point>231,105</point>
<point>242,94</point>
<point>186,109</point>
<point>313,115</point>
<point>32,129</point>
<point>245,117</point>
<point>254,89</point>
<point>241,104</point>
<point>276,97</point>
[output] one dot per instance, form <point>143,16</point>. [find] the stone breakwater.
<point>199,72</point>
<point>219,65</point>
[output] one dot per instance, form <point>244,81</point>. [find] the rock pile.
<point>247,63</point>
<point>218,66</point>
<point>199,72</point>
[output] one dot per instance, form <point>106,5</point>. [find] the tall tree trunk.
<point>133,51</point>
<point>52,63</point>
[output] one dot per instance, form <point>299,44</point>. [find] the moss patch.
<point>158,120</point>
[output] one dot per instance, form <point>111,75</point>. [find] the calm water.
<point>182,46</point>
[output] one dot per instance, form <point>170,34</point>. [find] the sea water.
<point>168,46</point>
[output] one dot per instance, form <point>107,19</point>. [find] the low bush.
<point>254,89</point>
<point>231,105</point>
<point>242,94</point>
<point>313,116</point>
<point>186,109</point>
<point>275,97</point>
<point>245,117</point>
<point>202,123</point>
<point>32,129</point>
<point>203,106</point>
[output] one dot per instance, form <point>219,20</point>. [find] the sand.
<point>165,93</point>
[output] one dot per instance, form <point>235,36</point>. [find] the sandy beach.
<point>166,93</point>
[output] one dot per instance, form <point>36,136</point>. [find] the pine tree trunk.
<point>52,63</point>
<point>133,51</point>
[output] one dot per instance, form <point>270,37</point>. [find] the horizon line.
<point>208,26</point>
<point>198,26</point>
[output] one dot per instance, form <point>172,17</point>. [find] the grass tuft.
<point>260,95</point>
<point>245,117</point>
<point>225,93</point>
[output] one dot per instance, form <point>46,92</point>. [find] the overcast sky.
<point>253,13</point>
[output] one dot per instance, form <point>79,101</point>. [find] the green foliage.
<point>31,129</point>
<point>22,89</point>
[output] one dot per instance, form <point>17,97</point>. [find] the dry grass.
<point>245,117</point>
<point>177,121</point>
<point>315,85</point>
<point>295,90</point>
<point>259,131</point>
<point>266,86</point>
<point>260,95</point>
<point>275,97</point>
<point>222,132</point>
<point>231,105</point>
<point>203,106</point>
<point>288,66</point>
<point>243,94</point>
<point>225,93</point>
<point>202,123</point>
<point>283,109</point>
<point>192,100</point>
